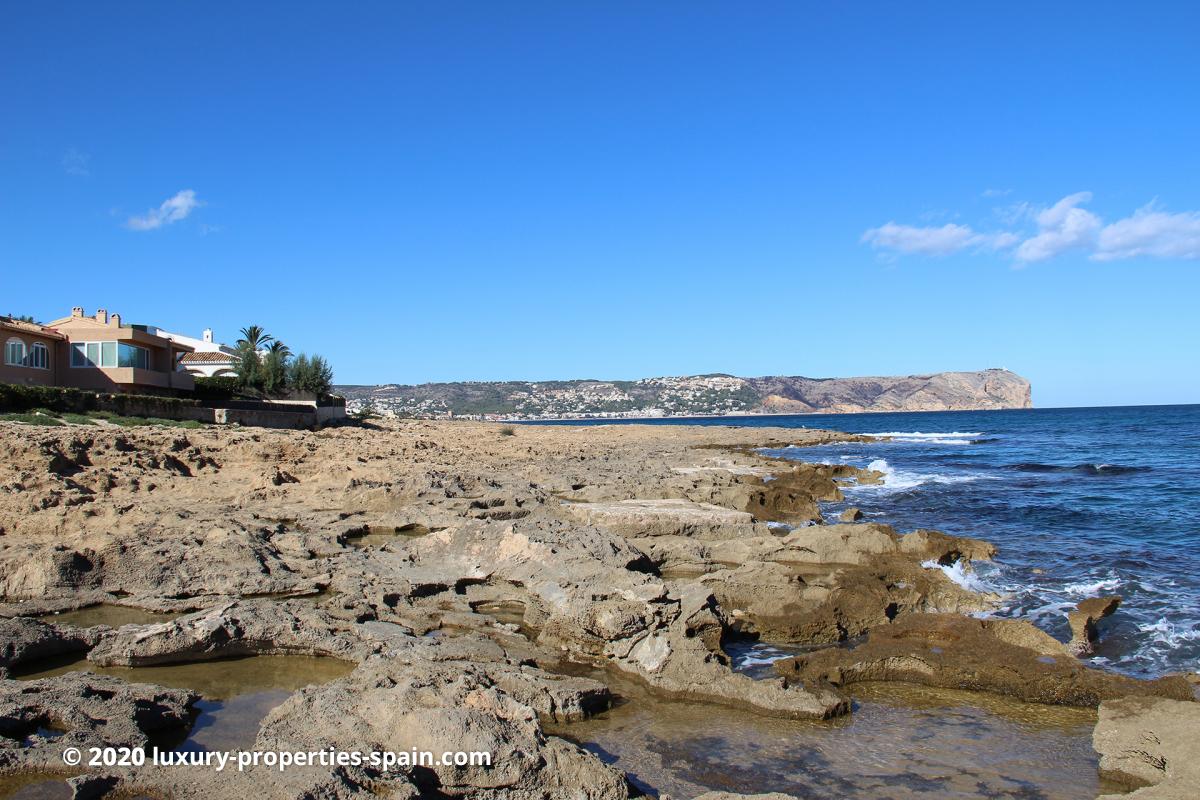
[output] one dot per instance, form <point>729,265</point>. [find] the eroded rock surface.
<point>470,577</point>
<point>1150,742</point>
<point>40,719</point>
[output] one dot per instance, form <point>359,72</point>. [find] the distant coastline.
<point>693,397</point>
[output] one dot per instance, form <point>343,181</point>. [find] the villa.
<point>208,358</point>
<point>97,352</point>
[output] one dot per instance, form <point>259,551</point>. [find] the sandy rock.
<point>1083,622</point>
<point>28,640</point>
<point>1150,742</point>
<point>850,515</point>
<point>1008,657</point>
<point>243,628</point>
<point>675,517</point>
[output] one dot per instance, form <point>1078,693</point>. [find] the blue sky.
<point>446,191</point>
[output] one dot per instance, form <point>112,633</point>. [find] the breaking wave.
<point>899,480</point>
<point>962,575</point>
<point>920,437</point>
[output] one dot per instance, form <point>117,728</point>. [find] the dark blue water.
<point>1082,502</point>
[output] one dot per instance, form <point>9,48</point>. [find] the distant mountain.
<point>696,395</point>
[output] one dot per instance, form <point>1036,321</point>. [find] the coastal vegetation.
<point>267,369</point>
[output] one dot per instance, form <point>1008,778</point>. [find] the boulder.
<point>850,515</point>
<point>1083,619</point>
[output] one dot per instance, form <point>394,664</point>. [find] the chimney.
<point>208,335</point>
<point>101,316</point>
<point>116,320</point>
<point>77,311</point>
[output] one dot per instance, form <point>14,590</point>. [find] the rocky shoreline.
<point>480,587</point>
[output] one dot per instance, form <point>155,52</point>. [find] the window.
<point>79,355</point>
<point>14,353</point>
<point>109,354</point>
<point>39,356</point>
<point>130,356</point>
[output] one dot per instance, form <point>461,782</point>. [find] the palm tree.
<point>281,349</point>
<point>254,338</point>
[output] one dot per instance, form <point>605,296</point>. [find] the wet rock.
<point>583,598</point>
<point>1009,657</point>
<point>1150,742</point>
<point>850,515</point>
<point>40,719</point>
<point>390,706</point>
<point>1083,622</point>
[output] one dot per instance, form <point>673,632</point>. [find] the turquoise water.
<point>1082,502</point>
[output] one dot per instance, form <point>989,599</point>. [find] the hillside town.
<point>702,395</point>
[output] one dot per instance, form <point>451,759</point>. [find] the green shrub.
<point>508,430</point>
<point>141,422</point>
<point>78,419</point>
<point>16,397</point>
<point>220,389</point>
<point>310,375</point>
<point>274,372</point>
<point>31,419</point>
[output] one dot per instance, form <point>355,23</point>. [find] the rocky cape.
<point>483,586</point>
<point>697,395</point>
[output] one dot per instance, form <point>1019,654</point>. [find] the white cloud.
<point>75,162</point>
<point>1150,232</point>
<point>172,210</point>
<point>933,240</point>
<point>1062,227</point>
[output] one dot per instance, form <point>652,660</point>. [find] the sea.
<point>1081,502</point>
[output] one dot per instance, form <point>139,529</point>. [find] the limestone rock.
<point>1151,742</point>
<point>40,719</point>
<point>676,517</point>
<point>27,640</point>
<point>1008,657</point>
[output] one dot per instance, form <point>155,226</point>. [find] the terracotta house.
<point>31,353</point>
<point>96,352</point>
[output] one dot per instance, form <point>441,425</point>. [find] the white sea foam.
<point>960,574</point>
<point>920,437</point>
<point>1170,635</point>
<point>897,480</point>
<point>761,656</point>
<point>1090,589</point>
